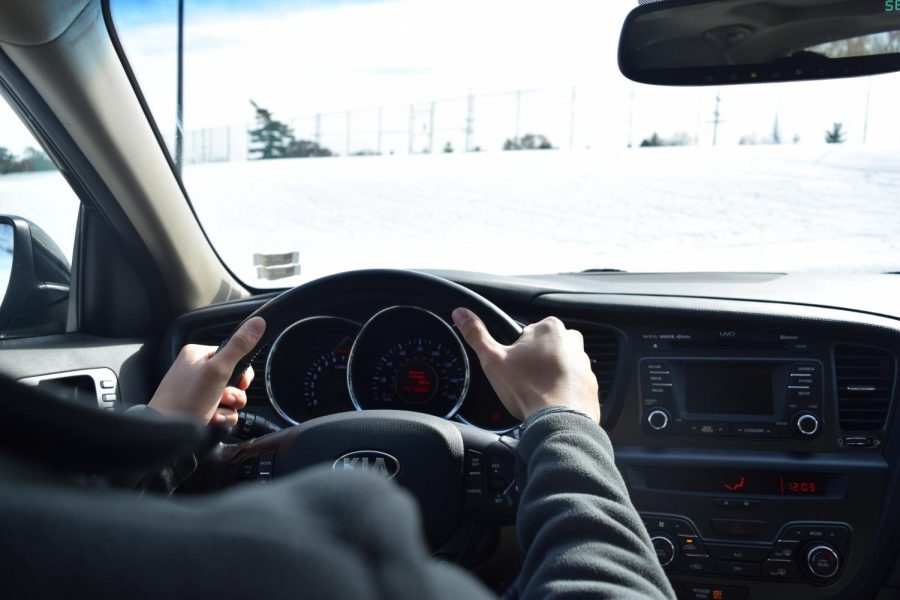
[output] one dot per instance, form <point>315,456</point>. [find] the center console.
<point>734,450</point>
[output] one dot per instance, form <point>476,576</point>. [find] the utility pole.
<point>380,120</point>
<point>470,122</point>
<point>412,128</point>
<point>866,121</point>
<point>630,117</point>
<point>572,121</point>
<point>431,129</point>
<point>348,133</point>
<point>179,93</point>
<point>717,118</point>
<point>518,111</point>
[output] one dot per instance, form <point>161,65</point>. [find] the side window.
<point>38,218</point>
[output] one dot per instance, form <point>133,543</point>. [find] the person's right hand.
<point>545,367</point>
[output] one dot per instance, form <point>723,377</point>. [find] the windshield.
<point>500,137</point>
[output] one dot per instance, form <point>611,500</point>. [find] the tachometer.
<point>306,373</point>
<point>410,359</point>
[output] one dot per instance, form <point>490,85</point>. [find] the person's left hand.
<point>195,385</point>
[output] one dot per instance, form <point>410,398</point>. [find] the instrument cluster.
<point>401,358</point>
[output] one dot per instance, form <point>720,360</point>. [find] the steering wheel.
<point>456,472</point>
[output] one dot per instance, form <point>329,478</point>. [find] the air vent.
<point>213,336</point>
<point>865,385</point>
<point>602,347</point>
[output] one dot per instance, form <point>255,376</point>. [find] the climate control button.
<point>822,560</point>
<point>665,549</point>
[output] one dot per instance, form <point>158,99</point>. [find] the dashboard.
<point>752,416</point>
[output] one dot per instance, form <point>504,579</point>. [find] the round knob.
<point>658,419</point>
<point>807,424</point>
<point>822,560</point>
<point>665,548</point>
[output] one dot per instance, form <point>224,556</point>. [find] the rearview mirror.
<point>37,282</point>
<point>720,42</point>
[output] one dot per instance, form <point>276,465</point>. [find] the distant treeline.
<point>31,160</point>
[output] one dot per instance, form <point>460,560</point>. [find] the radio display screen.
<point>729,388</point>
<point>737,481</point>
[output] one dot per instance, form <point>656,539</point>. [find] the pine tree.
<point>836,135</point>
<point>271,138</point>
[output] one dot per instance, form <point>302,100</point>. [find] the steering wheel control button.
<point>822,560</point>
<point>474,463</point>
<point>266,467</point>
<point>474,494</point>
<point>665,549</point>
<point>737,527</point>
<point>658,420</point>
<point>247,470</point>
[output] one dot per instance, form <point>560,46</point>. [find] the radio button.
<point>735,503</point>
<point>707,429</point>
<point>756,431</point>
<point>737,568</point>
<point>658,420</point>
<point>806,424</point>
<point>799,392</point>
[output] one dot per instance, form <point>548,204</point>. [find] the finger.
<point>246,378</point>
<point>226,417</point>
<point>241,342</point>
<point>476,334</point>
<point>576,336</point>
<point>233,398</point>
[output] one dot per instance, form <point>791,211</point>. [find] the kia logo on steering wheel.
<point>372,461</point>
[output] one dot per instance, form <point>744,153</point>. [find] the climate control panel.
<point>810,552</point>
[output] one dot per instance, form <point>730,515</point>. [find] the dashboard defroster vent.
<point>213,336</point>
<point>865,385</point>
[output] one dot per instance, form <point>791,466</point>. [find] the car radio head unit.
<point>738,397</point>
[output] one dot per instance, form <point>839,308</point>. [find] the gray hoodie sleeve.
<point>581,536</point>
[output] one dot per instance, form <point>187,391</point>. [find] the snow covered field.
<point>785,208</point>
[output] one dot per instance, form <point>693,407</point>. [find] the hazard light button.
<point>737,527</point>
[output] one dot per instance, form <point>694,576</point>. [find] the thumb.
<point>476,334</point>
<point>242,341</point>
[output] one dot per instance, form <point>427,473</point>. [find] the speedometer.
<point>410,359</point>
<point>418,371</point>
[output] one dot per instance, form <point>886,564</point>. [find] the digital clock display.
<point>804,486</point>
<point>728,482</point>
